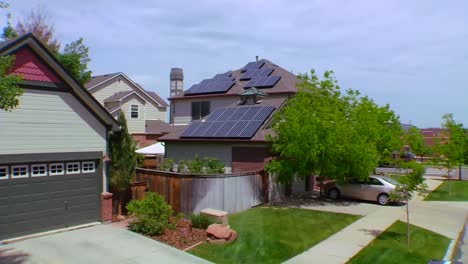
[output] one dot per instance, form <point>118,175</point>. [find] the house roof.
<point>100,79</point>
<point>160,127</point>
<point>113,109</point>
<point>95,80</point>
<point>9,47</point>
<point>259,136</point>
<point>287,83</point>
<point>118,96</point>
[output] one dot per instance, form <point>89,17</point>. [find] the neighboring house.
<point>118,93</point>
<point>432,135</point>
<point>229,116</point>
<point>52,147</point>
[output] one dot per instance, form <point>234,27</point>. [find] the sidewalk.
<point>446,218</point>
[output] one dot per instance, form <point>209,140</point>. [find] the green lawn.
<point>458,192</point>
<point>390,246</point>
<point>273,235</point>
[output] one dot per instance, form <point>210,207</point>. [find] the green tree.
<point>414,140</point>
<point>9,89</point>
<point>124,160</point>
<point>322,131</point>
<point>75,59</point>
<point>410,185</point>
<point>451,147</point>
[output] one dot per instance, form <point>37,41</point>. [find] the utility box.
<point>217,215</point>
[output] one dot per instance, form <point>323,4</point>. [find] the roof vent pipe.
<point>256,58</point>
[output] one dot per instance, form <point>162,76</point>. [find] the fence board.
<point>189,194</point>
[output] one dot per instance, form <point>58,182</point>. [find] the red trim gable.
<point>31,68</point>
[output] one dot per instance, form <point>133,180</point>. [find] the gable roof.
<point>287,83</point>
<point>160,127</point>
<point>28,40</point>
<point>100,79</point>
<point>119,96</point>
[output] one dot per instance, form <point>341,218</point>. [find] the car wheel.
<point>334,194</point>
<point>383,199</point>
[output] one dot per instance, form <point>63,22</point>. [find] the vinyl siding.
<point>155,113</point>
<point>183,108</point>
<point>110,88</point>
<point>46,122</point>
<point>135,125</point>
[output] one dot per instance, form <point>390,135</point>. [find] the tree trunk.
<point>407,221</point>
<point>459,172</point>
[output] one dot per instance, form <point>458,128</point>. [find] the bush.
<point>167,164</point>
<point>152,214</point>
<point>200,221</point>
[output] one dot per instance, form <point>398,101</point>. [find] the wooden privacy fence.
<point>191,193</point>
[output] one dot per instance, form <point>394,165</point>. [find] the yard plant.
<point>153,215</point>
<point>274,235</point>
<point>200,221</point>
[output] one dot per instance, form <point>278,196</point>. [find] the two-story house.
<point>142,108</point>
<point>228,116</point>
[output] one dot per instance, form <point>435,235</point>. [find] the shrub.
<point>152,214</point>
<point>167,164</point>
<point>200,221</point>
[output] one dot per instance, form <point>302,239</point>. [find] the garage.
<point>49,193</point>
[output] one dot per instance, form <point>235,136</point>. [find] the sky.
<point>412,55</point>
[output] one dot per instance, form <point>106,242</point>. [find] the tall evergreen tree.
<point>124,160</point>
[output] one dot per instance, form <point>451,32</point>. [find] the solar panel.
<point>225,76</point>
<point>219,85</point>
<point>235,122</point>
<point>254,73</point>
<point>263,82</point>
<point>189,130</point>
<point>253,65</point>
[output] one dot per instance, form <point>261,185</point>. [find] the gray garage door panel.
<point>36,204</point>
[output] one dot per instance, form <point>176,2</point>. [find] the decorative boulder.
<point>220,234</point>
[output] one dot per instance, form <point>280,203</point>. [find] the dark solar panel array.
<point>220,83</point>
<point>253,66</point>
<point>235,122</point>
<point>252,74</point>
<point>263,82</point>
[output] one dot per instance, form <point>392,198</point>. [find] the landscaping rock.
<point>219,231</point>
<point>220,234</point>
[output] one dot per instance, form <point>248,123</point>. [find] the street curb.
<point>450,253</point>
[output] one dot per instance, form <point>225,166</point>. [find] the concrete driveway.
<point>97,244</point>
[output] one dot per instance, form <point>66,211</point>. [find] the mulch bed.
<point>183,236</point>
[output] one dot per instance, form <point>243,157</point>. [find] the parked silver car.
<point>375,188</point>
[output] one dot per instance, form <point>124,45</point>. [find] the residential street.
<point>446,218</point>
<point>97,244</point>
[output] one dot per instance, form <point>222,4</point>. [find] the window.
<point>133,111</point>
<point>73,167</point>
<point>200,110</point>
<point>373,181</point>
<point>38,170</point>
<point>3,172</point>
<point>19,171</point>
<point>56,169</point>
<point>88,166</point>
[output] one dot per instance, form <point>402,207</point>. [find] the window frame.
<point>56,164</point>
<point>13,167</point>
<point>7,173</point>
<point>73,172</point>
<point>197,108</point>
<point>133,111</point>
<point>39,175</point>
<point>88,162</point>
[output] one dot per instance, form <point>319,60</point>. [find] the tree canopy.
<point>326,132</point>
<point>451,146</point>
<point>75,59</point>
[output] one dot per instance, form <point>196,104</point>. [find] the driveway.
<point>97,244</point>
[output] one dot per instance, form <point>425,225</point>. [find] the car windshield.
<point>390,180</point>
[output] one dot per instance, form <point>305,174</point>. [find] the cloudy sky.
<point>412,55</point>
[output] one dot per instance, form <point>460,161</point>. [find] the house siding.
<point>154,113</point>
<point>220,150</point>
<point>110,88</point>
<point>47,122</point>
<point>135,125</point>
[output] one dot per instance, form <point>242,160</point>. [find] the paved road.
<point>97,244</point>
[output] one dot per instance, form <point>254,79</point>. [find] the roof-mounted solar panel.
<point>251,74</point>
<point>233,122</point>
<point>253,65</point>
<point>208,86</point>
<point>263,82</point>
